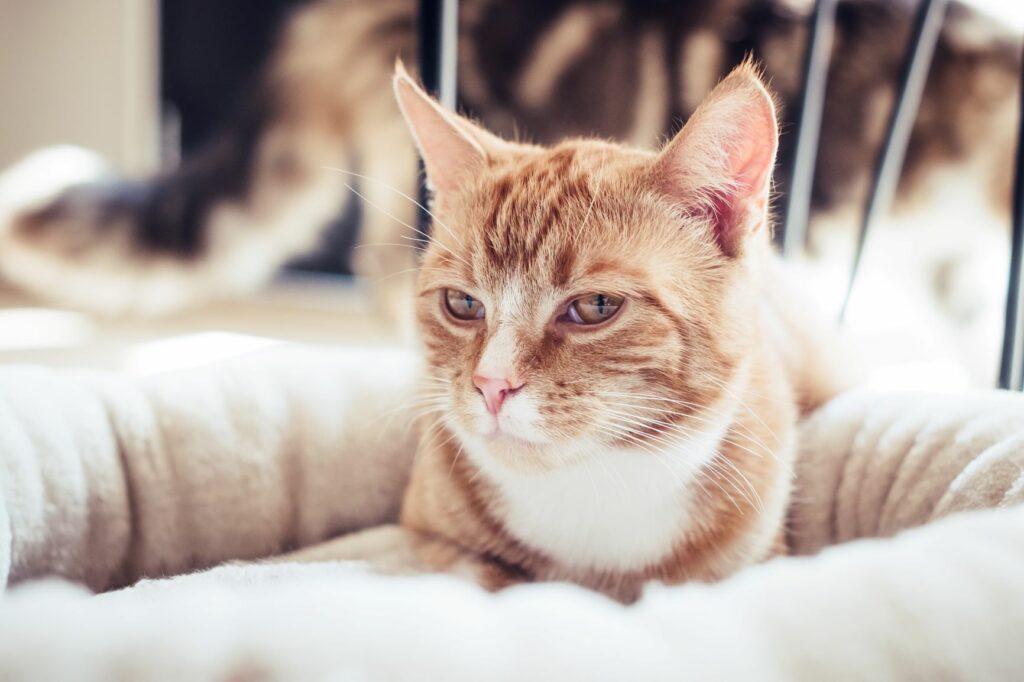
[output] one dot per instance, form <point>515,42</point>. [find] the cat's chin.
<point>500,452</point>
<point>508,451</point>
<point>503,439</point>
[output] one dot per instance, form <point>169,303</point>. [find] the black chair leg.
<point>816,62</point>
<point>438,23</point>
<point>1011,367</point>
<point>918,59</point>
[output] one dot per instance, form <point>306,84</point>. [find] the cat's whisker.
<point>458,451</point>
<point>721,384</point>
<point>406,405</point>
<point>476,474</point>
<point>648,396</point>
<point>369,245</point>
<point>416,241</point>
<point>414,419</point>
<point>396,191</point>
<point>735,428</point>
<point>591,476</point>
<point>427,407</point>
<point>725,492</point>
<point>382,209</point>
<point>622,434</point>
<point>648,421</point>
<point>402,222</point>
<point>666,443</point>
<point>700,417</point>
<point>725,385</point>
<point>424,406</point>
<point>746,481</point>
<point>593,197</point>
<point>617,431</point>
<point>682,430</point>
<point>384,278</point>
<point>655,453</point>
<point>647,424</point>
<point>715,466</point>
<point>434,424</point>
<point>433,390</point>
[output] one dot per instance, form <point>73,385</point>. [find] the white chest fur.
<point>618,509</point>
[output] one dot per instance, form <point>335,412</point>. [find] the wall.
<point>80,72</point>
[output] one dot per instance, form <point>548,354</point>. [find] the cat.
<point>263,189</point>
<point>614,366</point>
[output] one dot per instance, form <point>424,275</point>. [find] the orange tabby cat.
<point>614,360</point>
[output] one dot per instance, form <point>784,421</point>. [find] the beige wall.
<point>80,72</point>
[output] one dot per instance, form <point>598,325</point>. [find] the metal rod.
<point>1011,366</point>
<point>438,24</point>
<point>816,62</point>
<point>448,85</point>
<point>438,48</point>
<point>925,34</point>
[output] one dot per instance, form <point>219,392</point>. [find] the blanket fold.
<point>107,479</point>
<point>872,464</point>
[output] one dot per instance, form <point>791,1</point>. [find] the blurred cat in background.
<point>322,128</point>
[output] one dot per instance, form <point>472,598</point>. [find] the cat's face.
<point>581,297</point>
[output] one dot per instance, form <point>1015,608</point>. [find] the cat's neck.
<point>617,509</point>
<point>695,508</point>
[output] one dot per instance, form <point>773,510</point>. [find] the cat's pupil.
<point>600,304</point>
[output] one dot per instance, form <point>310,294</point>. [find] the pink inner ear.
<point>449,154</point>
<point>750,164</point>
<point>740,209</point>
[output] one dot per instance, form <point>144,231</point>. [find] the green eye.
<point>594,308</point>
<point>463,306</point>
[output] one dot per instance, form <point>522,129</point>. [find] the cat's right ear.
<point>720,163</point>
<point>450,150</point>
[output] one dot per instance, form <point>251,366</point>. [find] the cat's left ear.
<point>720,163</point>
<point>453,148</point>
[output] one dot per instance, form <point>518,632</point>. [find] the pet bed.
<point>906,524</point>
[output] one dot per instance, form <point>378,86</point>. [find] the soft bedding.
<point>105,480</point>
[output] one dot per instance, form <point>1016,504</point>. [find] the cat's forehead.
<point>537,214</point>
<point>546,221</point>
<point>567,168</point>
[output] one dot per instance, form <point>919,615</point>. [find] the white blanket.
<point>104,480</point>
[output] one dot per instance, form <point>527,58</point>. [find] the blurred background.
<point>201,212</point>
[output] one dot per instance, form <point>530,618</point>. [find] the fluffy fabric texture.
<point>940,602</point>
<point>105,480</point>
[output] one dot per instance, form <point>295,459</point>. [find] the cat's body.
<point>646,436</point>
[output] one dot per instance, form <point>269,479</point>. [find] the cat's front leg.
<point>396,550</point>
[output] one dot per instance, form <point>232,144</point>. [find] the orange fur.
<point>698,354</point>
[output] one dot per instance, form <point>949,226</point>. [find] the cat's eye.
<point>594,308</point>
<point>463,306</point>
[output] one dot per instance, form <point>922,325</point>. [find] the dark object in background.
<point>211,57</point>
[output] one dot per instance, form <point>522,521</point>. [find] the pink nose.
<point>495,390</point>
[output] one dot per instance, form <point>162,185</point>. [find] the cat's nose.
<point>495,390</point>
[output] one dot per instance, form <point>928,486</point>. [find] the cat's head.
<point>590,295</point>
